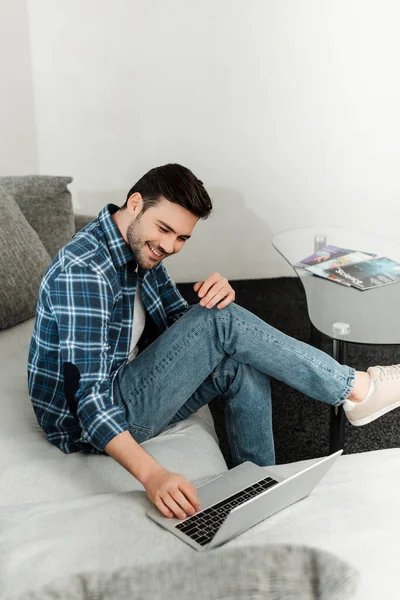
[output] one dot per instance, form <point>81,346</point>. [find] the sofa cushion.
<point>274,572</point>
<point>23,262</point>
<point>82,220</point>
<point>46,203</point>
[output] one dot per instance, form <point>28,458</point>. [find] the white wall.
<point>18,147</point>
<point>288,111</point>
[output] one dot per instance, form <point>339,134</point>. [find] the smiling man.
<point>117,355</point>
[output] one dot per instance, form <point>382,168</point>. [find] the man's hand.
<point>171,493</point>
<point>214,289</point>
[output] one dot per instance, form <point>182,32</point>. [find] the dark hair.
<point>176,184</point>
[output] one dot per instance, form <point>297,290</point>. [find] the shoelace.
<point>391,372</point>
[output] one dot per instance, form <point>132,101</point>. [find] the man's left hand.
<point>214,289</point>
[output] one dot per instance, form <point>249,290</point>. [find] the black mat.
<point>301,424</point>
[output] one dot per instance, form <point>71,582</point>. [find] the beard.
<point>139,246</point>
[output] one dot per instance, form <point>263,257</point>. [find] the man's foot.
<point>385,397</point>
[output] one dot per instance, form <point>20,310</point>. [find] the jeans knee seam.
<point>229,392</point>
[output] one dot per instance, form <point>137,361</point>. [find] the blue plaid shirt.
<point>84,320</point>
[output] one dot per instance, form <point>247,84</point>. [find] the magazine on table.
<point>369,274</point>
<point>323,255</point>
<point>362,270</point>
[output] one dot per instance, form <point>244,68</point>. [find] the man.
<point>96,382</point>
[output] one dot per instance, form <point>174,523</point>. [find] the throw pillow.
<point>46,203</point>
<point>275,572</point>
<point>23,261</point>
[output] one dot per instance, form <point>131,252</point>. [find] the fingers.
<point>220,291</point>
<point>208,283</point>
<point>163,508</point>
<point>230,298</point>
<point>174,507</point>
<point>214,294</point>
<point>179,505</point>
<point>227,298</point>
<point>179,500</point>
<point>214,289</point>
<point>190,492</point>
<point>197,285</point>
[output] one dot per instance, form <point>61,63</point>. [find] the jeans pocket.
<point>140,434</point>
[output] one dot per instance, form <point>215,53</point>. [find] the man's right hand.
<point>171,493</point>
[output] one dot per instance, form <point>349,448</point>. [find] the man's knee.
<point>202,313</point>
<point>229,316</point>
<point>202,310</point>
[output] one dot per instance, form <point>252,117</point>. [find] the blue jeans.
<point>229,353</point>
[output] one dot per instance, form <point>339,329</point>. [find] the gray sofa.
<point>75,526</point>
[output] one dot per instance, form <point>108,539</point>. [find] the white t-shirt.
<point>139,319</point>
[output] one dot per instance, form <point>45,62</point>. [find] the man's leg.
<point>248,409</point>
<point>158,382</point>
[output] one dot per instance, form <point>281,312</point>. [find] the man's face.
<point>159,232</point>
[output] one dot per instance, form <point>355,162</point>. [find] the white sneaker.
<point>386,397</point>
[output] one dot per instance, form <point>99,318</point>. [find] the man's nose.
<point>167,246</point>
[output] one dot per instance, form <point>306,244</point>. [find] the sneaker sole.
<point>373,417</point>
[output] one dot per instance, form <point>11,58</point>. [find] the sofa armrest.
<point>82,220</point>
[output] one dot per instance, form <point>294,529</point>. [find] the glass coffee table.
<point>344,314</point>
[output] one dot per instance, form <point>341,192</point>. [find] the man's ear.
<point>134,204</point>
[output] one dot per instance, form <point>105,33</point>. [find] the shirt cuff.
<point>104,425</point>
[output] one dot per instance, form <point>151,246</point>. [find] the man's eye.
<point>162,229</point>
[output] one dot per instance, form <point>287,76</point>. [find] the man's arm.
<point>171,493</point>
<point>81,302</point>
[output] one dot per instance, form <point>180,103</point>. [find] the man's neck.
<point>119,220</point>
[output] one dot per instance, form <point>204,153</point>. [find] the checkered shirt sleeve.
<point>81,302</point>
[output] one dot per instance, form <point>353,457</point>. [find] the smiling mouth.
<point>155,253</point>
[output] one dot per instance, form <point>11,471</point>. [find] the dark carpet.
<point>301,425</point>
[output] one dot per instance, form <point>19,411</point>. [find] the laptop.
<point>239,499</point>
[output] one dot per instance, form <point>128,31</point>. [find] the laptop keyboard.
<point>202,526</point>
